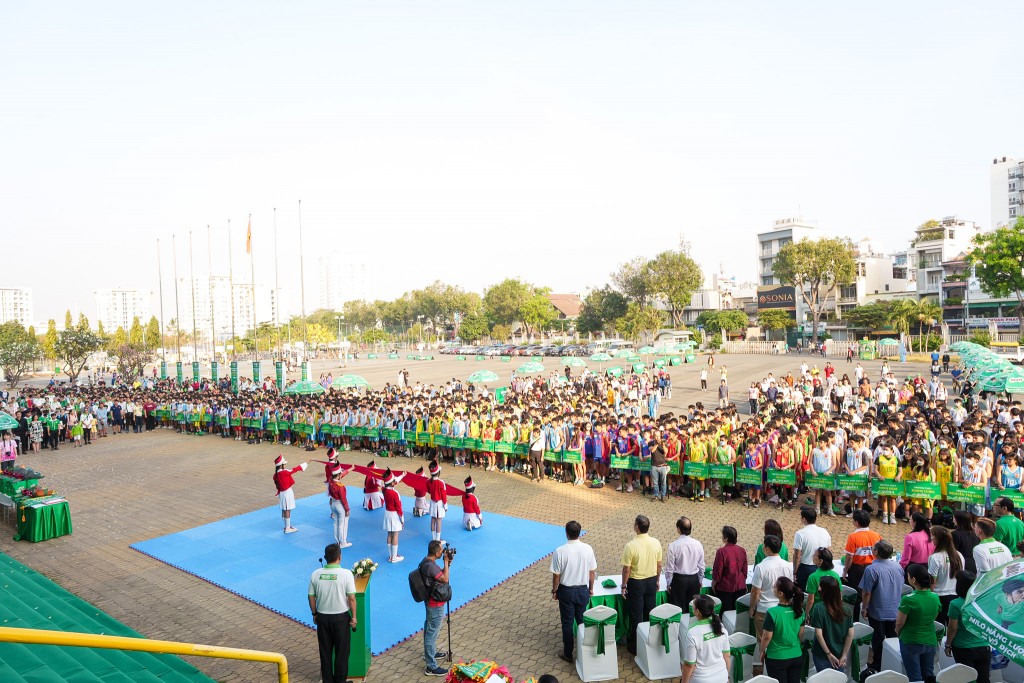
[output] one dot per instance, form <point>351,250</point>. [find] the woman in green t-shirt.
<point>771,528</point>
<point>823,561</point>
<point>961,644</point>
<point>915,625</point>
<point>780,635</point>
<point>833,626</point>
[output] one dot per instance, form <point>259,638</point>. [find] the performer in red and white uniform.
<point>472,517</point>
<point>420,505</point>
<point>332,460</point>
<point>372,497</point>
<point>438,500</point>
<point>394,518</point>
<point>339,505</point>
<point>284,482</point>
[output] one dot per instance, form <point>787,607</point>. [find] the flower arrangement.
<point>364,567</point>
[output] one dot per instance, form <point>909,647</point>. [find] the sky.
<point>473,141</point>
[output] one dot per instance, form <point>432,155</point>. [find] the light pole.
<point>341,348</point>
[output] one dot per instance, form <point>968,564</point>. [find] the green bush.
<point>980,338</point>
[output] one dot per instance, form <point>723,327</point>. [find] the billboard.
<point>776,296</point>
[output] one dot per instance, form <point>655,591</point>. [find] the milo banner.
<point>975,495</point>
<point>279,373</point>
<point>181,372</point>
<point>924,489</point>
<point>234,376</point>
<point>748,476</point>
<point>826,482</point>
<point>195,371</point>
<point>889,487</point>
<point>852,482</point>
<point>994,610</point>
<point>720,472</point>
<point>305,371</point>
<point>782,477</point>
<point>163,369</point>
<point>256,375</point>
<point>215,371</point>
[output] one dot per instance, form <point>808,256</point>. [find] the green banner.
<point>1016,495</point>
<point>924,489</point>
<point>852,482</point>
<point>825,482</point>
<point>721,472</point>
<point>675,360</point>
<point>748,476</point>
<point>256,374</point>
<point>640,464</point>
<point>392,356</point>
<point>887,487</point>
<point>234,376</point>
<point>214,371</point>
<point>553,456</point>
<point>371,356</point>
<point>505,359</point>
<point>195,371</point>
<point>966,494</point>
<point>619,462</point>
<point>695,469</point>
<point>638,367</point>
<point>783,477</point>
<point>181,372</point>
<point>480,358</point>
<point>503,447</point>
<point>163,369</point>
<point>460,358</point>
<point>279,374</point>
<point>499,395</point>
<point>673,467</point>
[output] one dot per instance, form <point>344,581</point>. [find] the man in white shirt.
<point>332,600</point>
<point>807,540</point>
<point>989,553</point>
<point>684,566</point>
<point>762,582</point>
<point>573,572</point>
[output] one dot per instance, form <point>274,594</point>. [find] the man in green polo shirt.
<point>1009,529</point>
<point>961,644</point>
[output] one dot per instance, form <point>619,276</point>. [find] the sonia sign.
<point>776,296</point>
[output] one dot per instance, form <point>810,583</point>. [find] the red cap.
<point>389,477</point>
<point>337,469</point>
<point>332,454</point>
<point>279,460</point>
<point>435,469</point>
<point>469,483</point>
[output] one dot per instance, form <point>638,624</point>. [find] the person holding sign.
<point>858,464</point>
<point>886,468</point>
<point>919,471</point>
<point>725,454</point>
<point>783,460</point>
<point>698,452</point>
<point>823,465</point>
<point>752,460</point>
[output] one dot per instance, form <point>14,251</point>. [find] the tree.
<point>50,339</point>
<point>504,301</point>
<point>901,313</point>
<point>135,334</point>
<point>928,313</point>
<point>674,277</point>
<point>68,321</point>
<point>131,359</point>
<point>639,321</point>
<point>775,319</point>
<point>83,322</point>
<point>869,316</point>
<point>153,336</point>
<point>716,321</point>
<point>473,327</point>
<point>119,339</point>
<point>18,349</point>
<point>633,279</point>
<point>501,332</point>
<point>99,329</point>
<point>816,268</point>
<point>998,260</point>
<point>319,335</point>
<point>537,313</point>
<point>601,308</point>
<point>73,348</point>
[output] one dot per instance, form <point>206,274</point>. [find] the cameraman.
<point>435,610</point>
<point>332,600</point>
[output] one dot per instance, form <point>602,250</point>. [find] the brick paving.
<point>130,488</point>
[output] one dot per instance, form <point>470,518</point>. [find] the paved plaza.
<point>129,488</point>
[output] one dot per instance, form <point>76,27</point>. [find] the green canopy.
<point>530,368</point>
<point>7,422</point>
<point>994,609</point>
<point>304,386</point>
<point>349,382</point>
<point>600,357</point>
<point>574,362</point>
<point>482,377</point>
<point>646,350</point>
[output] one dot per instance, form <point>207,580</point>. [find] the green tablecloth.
<point>43,522</point>
<point>618,603</point>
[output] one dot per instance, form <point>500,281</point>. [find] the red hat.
<point>419,471</point>
<point>279,460</point>
<point>435,469</point>
<point>337,469</point>
<point>389,477</point>
<point>370,464</point>
<point>469,483</point>
<point>332,454</point>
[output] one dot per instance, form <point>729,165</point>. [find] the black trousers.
<point>883,630</point>
<point>978,657</point>
<point>572,603</point>
<point>640,600</point>
<point>334,636</point>
<point>683,589</point>
<point>729,599</point>
<point>784,670</point>
<point>853,577</point>
<point>803,572</point>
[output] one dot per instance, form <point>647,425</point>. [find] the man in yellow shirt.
<point>641,567</point>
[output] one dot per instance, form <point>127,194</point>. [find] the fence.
<point>763,347</point>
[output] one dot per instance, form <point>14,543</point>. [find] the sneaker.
<point>629,488</point>
<point>396,558</point>
<point>436,671</point>
<point>849,515</point>
<point>757,503</point>
<point>441,654</point>
<point>345,545</point>
<point>290,530</point>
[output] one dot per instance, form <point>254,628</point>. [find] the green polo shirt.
<point>760,554</point>
<point>1009,532</point>
<point>785,630</point>
<point>814,579</point>
<point>921,607</point>
<point>964,638</point>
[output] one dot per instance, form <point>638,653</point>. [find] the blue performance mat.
<point>250,556</point>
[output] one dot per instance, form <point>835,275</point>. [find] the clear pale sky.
<point>470,141</point>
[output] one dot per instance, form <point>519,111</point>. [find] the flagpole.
<point>302,287</point>
<point>192,287</point>
<point>252,286</point>
<point>177,310</point>
<point>160,275</point>
<point>277,293</point>
<point>231,292</point>
<point>209,267</point>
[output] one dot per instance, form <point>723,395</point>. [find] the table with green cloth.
<point>40,519</point>
<point>612,597</point>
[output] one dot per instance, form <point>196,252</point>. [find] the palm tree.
<point>900,314</point>
<point>928,313</point>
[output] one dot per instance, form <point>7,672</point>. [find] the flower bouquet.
<point>363,568</point>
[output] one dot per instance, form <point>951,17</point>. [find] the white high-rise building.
<point>934,244</point>
<point>341,280</point>
<point>1007,191</point>
<point>769,243</point>
<point>119,307</point>
<point>16,304</point>
<point>270,306</point>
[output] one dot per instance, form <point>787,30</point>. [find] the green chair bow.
<point>855,654</point>
<point>737,660</point>
<point>805,654</point>
<point>742,609</point>
<point>663,622</point>
<point>600,624</point>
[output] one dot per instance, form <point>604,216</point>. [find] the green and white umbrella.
<point>482,377</point>
<point>994,609</point>
<point>574,362</point>
<point>349,382</point>
<point>7,422</point>
<point>305,387</point>
<point>646,350</point>
<point>530,368</point>
<point>600,358</point>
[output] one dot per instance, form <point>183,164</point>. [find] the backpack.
<point>417,586</point>
<point>423,588</point>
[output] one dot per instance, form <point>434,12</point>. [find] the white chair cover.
<point>591,666</point>
<point>651,657</point>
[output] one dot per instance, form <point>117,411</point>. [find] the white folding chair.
<point>7,503</point>
<point>807,636</point>
<point>958,673</point>
<point>861,631</point>
<point>651,657</point>
<point>591,666</point>
<point>737,640</point>
<point>762,679</point>
<point>827,676</point>
<point>887,677</point>
<point>892,660</point>
<point>741,622</point>
<point>717,601</point>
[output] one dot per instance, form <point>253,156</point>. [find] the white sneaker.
<point>290,530</point>
<point>345,545</point>
<point>629,488</point>
<point>396,558</point>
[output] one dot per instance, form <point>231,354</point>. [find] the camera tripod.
<point>448,613</point>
